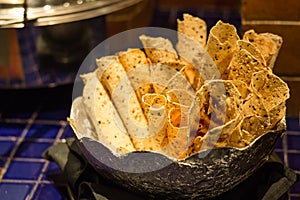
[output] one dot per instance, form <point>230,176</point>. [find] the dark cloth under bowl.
<point>269,182</point>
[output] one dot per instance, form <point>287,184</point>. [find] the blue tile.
<point>292,124</point>
<point>6,147</point>
<point>294,198</point>
<point>23,170</point>
<point>294,161</point>
<point>43,131</point>
<point>278,144</point>
<point>293,142</point>
<point>2,162</point>
<point>11,129</point>
<point>30,149</point>
<point>51,192</point>
<point>14,191</point>
<point>52,169</point>
<point>67,133</point>
<point>296,188</point>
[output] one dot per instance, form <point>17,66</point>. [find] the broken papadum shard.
<point>221,45</point>
<point>193,27</point>
<point>244,64</point>
<point>267,43</point>
<point>272,90</point>
<point>220,101</point>
<point>158,49</point>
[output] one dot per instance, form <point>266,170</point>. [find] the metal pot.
<point>46,41</point>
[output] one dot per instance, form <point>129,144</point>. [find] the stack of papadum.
<point>179,101</point>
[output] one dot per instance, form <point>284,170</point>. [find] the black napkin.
<point>269,182</point>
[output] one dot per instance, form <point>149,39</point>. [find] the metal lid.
<point>18,13</point>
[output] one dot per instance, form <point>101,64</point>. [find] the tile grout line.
<point>15,120</point>
<point>21,181</point>
<point>18,142</point>
<point>37,121</point>
<point>8,138</point>
<point>294,195</point>
<point>39,160</point>
<point>36,184</point>
<point>293,133</point>
<point>291,151</point>
<point>46,164</point>
<point>38,140</point>
<point>60,131</point>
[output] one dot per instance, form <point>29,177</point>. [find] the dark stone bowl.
<point>203,175</point>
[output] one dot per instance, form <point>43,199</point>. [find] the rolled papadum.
<point>103,114</point>
<point>114,78</point>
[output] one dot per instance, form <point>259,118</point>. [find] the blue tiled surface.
<point>47,191</point>
<point>294,198</point>
<point>10,191</point>
<point>43,131</point>
<point>11,129</point>
<point>24,170</point>
<point>32,149</point>
<point>293,124</point>
<point>294,161</point>
<point>67,133</point>
<point>294,141</point>
<point>23,140</point>
<point>296,189</point>
<point>6,148</point>
<point>52,169</point>
<point>2,162</point>
<point>31,175</point>
<point>278,145</point>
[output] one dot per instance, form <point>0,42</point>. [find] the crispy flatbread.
<point>80,122</point>
<point>115,80</point>
<point>218,135</point>
<point>221,45</point>
<point>193,27</point>
<point>244,64</point>
<point>252,127</point>
<point>178,134</point>
<point>242,87</point>
<point>158,49</point>
<point>137,66</point>
<point>103,114</point>
<point>272,90</point>
<point>156,112</point>
<point>267,43</point>
<point>220,101</point>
